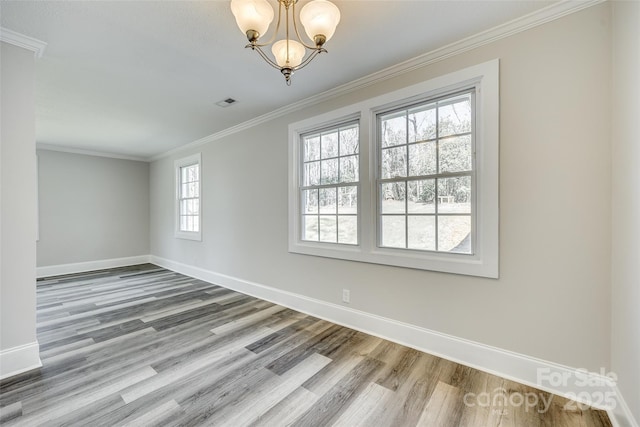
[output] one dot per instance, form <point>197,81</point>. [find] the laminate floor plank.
<point>343,364</point>
<point>247,320</point>
<point>360,412</point>
<point>94,377</point>
<point>399,370</point>
<point>289,409</point>
<point>479,409</point>
<point>180,389</point>
<point>161,307</point>
<point>194,389</point>
<point>194,365</point>
<point>104,349</point>
<point>264,396</point>
<point>144,346</point>
<point>21,386</point>
<point>98,414</point>
<point>323,341</point>
<point>57,406</point>
<point>444,408</point>
<point>156,416</point>
<point>65,332</point>
<point>278,336</point>
<point>205,406</point>
<point>414,392</point>
<point>65,349</point>
<point>332,404</point>
<point>11,411</point>
<point>234,385</point>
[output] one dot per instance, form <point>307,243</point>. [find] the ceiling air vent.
<point>226,102</point>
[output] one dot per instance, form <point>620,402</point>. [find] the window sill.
<point>186,235</point>
<point>469,265</point>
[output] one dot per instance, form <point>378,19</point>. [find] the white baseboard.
<point>594,389</point>
<point>16,360</point>
<point>620,414</point>
<point>80,267</point>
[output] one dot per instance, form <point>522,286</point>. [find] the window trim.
<point>178,164</point>
<point>332,119</point>
<point>485,262</point>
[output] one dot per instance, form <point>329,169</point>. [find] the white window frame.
<point>434,175</point>
<point>178,164</point>
<point>485,260</point>
<point>337,185</point>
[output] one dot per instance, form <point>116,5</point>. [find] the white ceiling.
<point>139,78</point>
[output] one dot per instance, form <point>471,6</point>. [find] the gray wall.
<point>18,201</point>
<point>552,300</point>
<point>625,342</point>
<point>91,208</point>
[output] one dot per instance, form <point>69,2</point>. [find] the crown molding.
<point>25,42</point>
<point>534,19</point>
<point>62,149</point>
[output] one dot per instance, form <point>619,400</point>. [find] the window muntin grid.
<point>329,184</point>
<point>189,198</point>
<point>426,175</point>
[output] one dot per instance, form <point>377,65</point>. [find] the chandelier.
<point>318,17</point>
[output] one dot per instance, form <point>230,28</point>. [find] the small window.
<point>188,206</point>
<point>329,185</point>
<point>426,175</point>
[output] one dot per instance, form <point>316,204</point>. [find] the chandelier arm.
<point>309,58</point>
<point>275,33</point>
<point>265,57</point>
<point>295,27</point>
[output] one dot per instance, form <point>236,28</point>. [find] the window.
<point>188,209</point>
<point>425,176</point>
<point>329,188</point>
<point>408,179</point>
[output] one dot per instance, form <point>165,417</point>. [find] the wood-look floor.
<point>143,346</point>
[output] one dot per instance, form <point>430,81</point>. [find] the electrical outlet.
<point>346,296</point>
